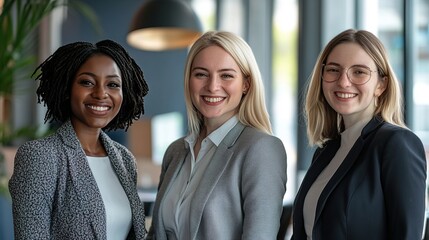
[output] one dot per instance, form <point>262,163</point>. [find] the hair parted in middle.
<point>323,122</point>
<point>57,72</point>
<point>252,109</point>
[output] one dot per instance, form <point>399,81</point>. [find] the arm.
<point>264,186</point>
<point>404,185</point>
<point>32,187</point>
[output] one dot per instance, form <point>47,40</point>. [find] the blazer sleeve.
<point>32,188</point>
<point>263,188</point>
<point>404,184</point>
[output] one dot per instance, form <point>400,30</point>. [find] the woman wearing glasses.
<point>367,179</point>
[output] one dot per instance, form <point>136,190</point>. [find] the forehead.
<point>214,57</point>
<point>348,54</point>
<point>99,63</point>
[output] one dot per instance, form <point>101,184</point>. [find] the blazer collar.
<point>84,184</point>
<point>321,159</point>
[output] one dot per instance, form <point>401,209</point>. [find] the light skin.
<point>96,98</point>
<point>217,86</point>
<point>354,102</point>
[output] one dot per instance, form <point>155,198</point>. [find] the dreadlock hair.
<point>57,72</point>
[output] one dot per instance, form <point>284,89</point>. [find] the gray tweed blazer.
<point>55,196</point>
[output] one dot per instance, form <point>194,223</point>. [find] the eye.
<point>332,69</point>
<point>114,85</point>
<point>227,76</point>
<point>200,74</point>
<point>360,71</point>
<point>86,83</point>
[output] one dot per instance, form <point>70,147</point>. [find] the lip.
<point>213,100</point>
<point>98,108</point>
<point>345,95</point>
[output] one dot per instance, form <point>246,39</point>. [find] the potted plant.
<point>18,21</point>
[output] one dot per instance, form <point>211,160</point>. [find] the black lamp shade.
<point>164,25</point>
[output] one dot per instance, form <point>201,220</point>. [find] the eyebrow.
<point>354,65</point>
<point>221,70</point>
<point>94,75</point>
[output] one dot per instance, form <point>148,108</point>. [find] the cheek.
<point>194,89</point>
<point>193,85</point>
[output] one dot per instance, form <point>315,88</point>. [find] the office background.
<point>286,37</point>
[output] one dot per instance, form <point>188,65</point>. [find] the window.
<point>284,99</point>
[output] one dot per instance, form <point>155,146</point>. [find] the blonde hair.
<point>323,122</point>
<point>252,109</point>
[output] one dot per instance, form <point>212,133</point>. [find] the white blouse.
<point>116,204</point>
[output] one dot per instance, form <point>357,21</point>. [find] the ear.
<point>246,85</point>
<point>381,86</point>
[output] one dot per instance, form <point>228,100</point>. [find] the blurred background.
<point>285,35</point>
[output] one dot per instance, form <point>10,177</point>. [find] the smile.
<point>213,99</point>
<point>98,108</point>
<point>346,95</point>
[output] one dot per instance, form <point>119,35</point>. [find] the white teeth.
<point>212,100</point>
<point>98,108</point>
<point>345,95</point>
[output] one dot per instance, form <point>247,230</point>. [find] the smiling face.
<point>353,102</point>
<point>216,85</point>
<point>96,93</point>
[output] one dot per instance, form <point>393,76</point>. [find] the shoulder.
<point>255,144</point>
<point>397,141</point>
<point>252,136</point>
<point>178,144</point>
<point>37,161</point>
<point>392,132</point>
<point>39,148</point>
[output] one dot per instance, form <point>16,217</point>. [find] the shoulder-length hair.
<point>252,109</point>
<point>323,122</point>
<point>57,72</point>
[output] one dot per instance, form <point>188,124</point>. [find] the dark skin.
<point>96,98</point>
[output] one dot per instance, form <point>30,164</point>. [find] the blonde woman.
<point>367,178</point>
<point>227,178</point>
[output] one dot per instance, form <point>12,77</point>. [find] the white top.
<point>348,138</point>
<point>116,204</point>
<point>176,206</point>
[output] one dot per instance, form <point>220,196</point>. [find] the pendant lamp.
<point>164,25</point>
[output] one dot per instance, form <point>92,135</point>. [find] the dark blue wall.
<point>163,70</point>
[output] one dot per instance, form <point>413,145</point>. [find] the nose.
<point>344,79</point>
<point>99,92</point>
<point>213,83</point>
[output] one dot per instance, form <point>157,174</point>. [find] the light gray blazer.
<point>55,196</point>
<point>241,193</point>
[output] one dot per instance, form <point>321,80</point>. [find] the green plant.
<point>18,20</point>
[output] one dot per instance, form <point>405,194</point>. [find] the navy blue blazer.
<point>378,192</point>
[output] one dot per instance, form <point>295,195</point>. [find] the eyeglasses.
<point>356,74</point>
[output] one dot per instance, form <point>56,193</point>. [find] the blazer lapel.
<point>170,174</point>
<point>212,174</point>
<point>128,183</point>
<point>347,164</point>
<point>321,159</point>
<point>84,184</point>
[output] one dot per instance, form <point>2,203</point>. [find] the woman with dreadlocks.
<point>78,183</point>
